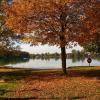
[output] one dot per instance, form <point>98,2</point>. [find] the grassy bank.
<point>28,84</point>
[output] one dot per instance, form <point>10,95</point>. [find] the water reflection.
<point>12,61</point>
<point>47,63</point>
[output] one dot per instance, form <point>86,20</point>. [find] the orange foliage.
<point>55,21</point>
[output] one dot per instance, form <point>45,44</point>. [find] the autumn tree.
<point>53,22</point>
<point>93,24</point>
<point>7,36</point>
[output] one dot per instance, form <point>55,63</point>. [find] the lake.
<point>49,63</point>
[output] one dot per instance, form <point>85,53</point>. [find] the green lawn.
<point>81,83</point>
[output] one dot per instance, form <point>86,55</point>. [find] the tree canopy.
<point>7,40</point>
<point>7,36</point>
<point>46,18</point>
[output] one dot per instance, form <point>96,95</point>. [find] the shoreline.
<point>93,71</point>
<point>11,67</point>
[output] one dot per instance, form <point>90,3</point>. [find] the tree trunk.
<point>63,58</point>
<point>62,39</point>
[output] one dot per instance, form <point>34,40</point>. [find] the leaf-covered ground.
<point>27,84</point>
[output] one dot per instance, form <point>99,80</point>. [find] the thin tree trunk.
<point>89,64</point>
<point>63,58</point>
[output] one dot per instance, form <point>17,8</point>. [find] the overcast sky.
<point>45,49</point>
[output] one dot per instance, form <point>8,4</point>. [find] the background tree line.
<point>74,54</point>
<point>13,54</point>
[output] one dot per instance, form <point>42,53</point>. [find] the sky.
<point>45,49</point>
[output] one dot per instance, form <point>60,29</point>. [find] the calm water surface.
<point>51,63</point>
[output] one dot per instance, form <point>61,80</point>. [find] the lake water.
<point>51,63</point>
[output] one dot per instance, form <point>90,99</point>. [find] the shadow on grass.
<point>87,73</point>
<point>15,75</point>
<point>2,92</point>
<point>31,74</point>
<point>35,98</point>
<point>45,75</point>
<point>77,97</point>
<point>30,98</point>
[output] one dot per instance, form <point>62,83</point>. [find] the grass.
<point>81,83</point>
